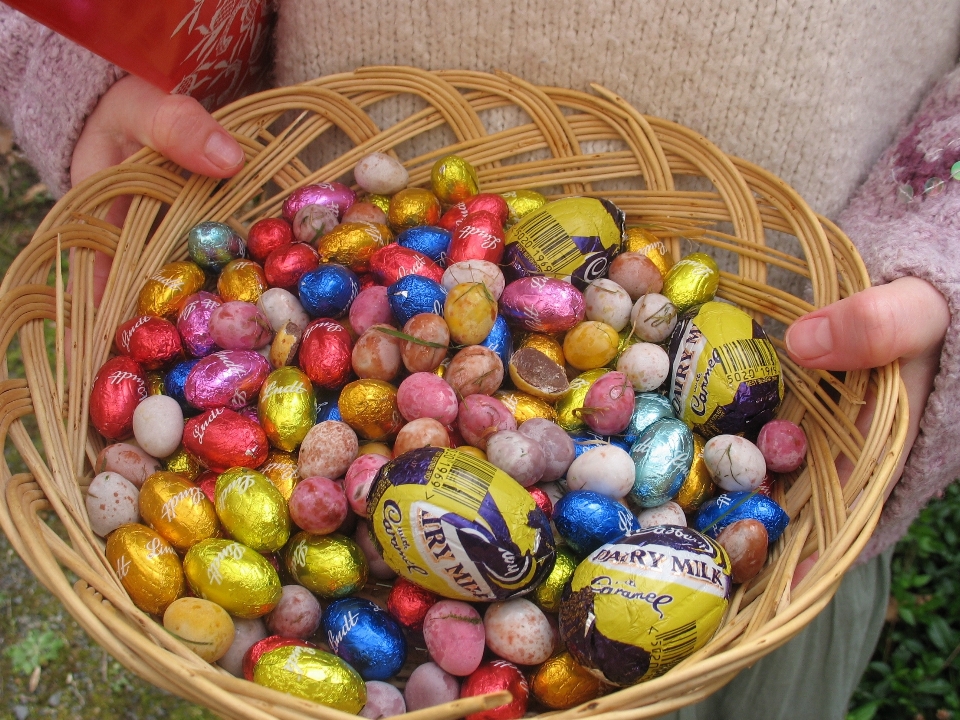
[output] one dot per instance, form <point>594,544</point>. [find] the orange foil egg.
<point>147,565</point>
<point>178,510</point>
<point>281,469</point>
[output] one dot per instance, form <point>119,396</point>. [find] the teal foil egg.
<point>212,245</point>
<point>647,409</point>
<point>662,455</point>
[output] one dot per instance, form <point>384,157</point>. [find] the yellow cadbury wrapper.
<point>459,526</point>
<point>725,373</point>
<point>642,603</point>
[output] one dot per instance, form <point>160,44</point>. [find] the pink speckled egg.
<point>327,450</point>
<point>430,685</point>
<point>424,394</point>
<point>518,631</point>
<point>359,478</point>
<point>480,417</point>
<point>783,444</point>
<point>454,635</point>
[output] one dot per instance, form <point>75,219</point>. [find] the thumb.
<point>903,319</point>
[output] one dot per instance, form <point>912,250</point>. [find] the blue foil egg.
<point>588,520</point>
<point>431,241</point>
<point>500,340</point>
<point>328,291</point>
<point>662,455</point>
<point>212,245</point>
<point>174,383</point>
<point>584,440</point>
<point>647,409</point>
<point>728,508</point>
<point>366,637</point>
<point>414,294</point>
<point>328,407</point>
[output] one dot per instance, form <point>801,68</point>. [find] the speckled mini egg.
<point>607,302</point>
<point>383,701</point>
<point>430,685</point>
<point>428,347</point>
<point>382,174</point>
<point>480,416</point>
<point>376,354</point>
<point>556,445</point>
<point>454,635</point>
<point>646,366</point>
<point>653,318</point>
<point>129,461</point>
<point>111,501</point>
<point>608,404</point>
<point>424,395</point>
<point>147,565</point>
<point>590,345</point>
<point>637,239</point>
<point>475,370</point>
<point>570,405</point>
<point>667,514</point>
<point>327,450</point>
<point>734,462</point>
<point>518,455</point>
<point>606,469</point>
<point>518,631</point>
<point>365,636</point>
<point>370,408</point>
<point>333,566</point>
<point>481,271</point>
<point>636,274</point>
<point>423,432</point>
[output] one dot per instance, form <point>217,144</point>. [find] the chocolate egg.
<point>637,239</point>
<point>500,340</point>
<point>412,295</point>
<point>329,194</point>
<point>175,383</point>
<point>587,520</point>
<point>151,341</point>
<point>252,510</point>
<point>561,682</point>
<point>242,280</point>
<point>494,676</point>
<point>286,344</point>
<point>287,407</point>
<point>183,464</point>
<point>365,636</point>
<point>411,207</point>
<point>394,261</point>
<point>193,323</point>
<point>478,237</point>
<point>281,469</point>
<point>521,203</point>
<point>221,439</point>
<point>147,565</point>
<point>178,510</point>
<point>332,566</point>
<point>211,245</point>
<point>325,353</point>
<point>746,543</point>
<point>547,344</point>
<point>312,674</point>
<point>662,454</point>
<point>328,291</point>
<point>525,407</point>
<point>408,603</point>
<point>285,266</point>
<point>697,487</point>
<point>542,304</point>
<point>453,179</point>
<point>370,407</point>
<point>647,409</point>
<point>426,240</point>
<point>570,404</point>
<point>236,578</point>
<point>229,378</point>
<point>164,293</point>
<point>692,281</point>
<point>266,235</point>
<point>118,388</point>
<point>537,374</point>
<point>549,593</point>
<point>352,244</point>
<point>728,508</point>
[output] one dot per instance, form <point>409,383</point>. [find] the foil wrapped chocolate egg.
<point>147,565</point>
<point>155,384</point>
<point>662,456</point>
<point>641,604</point>
<point>571,239</point>
<point>370,408</point>
<point>412,295</point>
<point>408,603</point>
<point>453,179</point>
<point>118,388</point>
<point>637,239</point>
<point>287,407</point>
<point>492,203</point>
<point>312,674</point>
<point>379,200</point>
<point>571,402</point>
<point>587,520</point>
<point>175,383</point>
<point>222,438</point>
<point>238,579</point>
<point>692,281</point>
<point>426,240</point>
<point>394,261</point>
<point>478,237</point>
<point>561,682</point>
<point>325,353</point>
<point>521,203</point>
<point>242,280</point>
<point>459,526</point>
<point>332,194</point>
<point>728,508</point>
<point>647,409</point>
<point>525,407</point>
<point>285,265</point>
<point>229,378</point>
<point>151,341</point>
<point>698,486</point>
<point>252,510</point>
<point>183,464</point>
<point>281,469</point>
<point>411,207</point>
<point>332,566</point>
<point>365,636</point>
<point>549,593</point>
<point>178,510</point>
<point>164,293</point>
<point>352,244</point>
<point>725,376</point>
<point>266,235</point>
<point>193,323</point>
<point>542,304</point>
<point>500,340</point>
<point>211,245</point>
<point>495,676</point>
<point>328,291</point>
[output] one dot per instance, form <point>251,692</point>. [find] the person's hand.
<point>134,113</point>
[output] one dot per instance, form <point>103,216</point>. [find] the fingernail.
<point>810,339</point>
<point>223,151</point>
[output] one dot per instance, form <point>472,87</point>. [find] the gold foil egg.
<point>412,207</point>
<point>568,406</point>
<point>252,510</point>
<point>698,486</point>
<point>165,292</point>
<point>155,385</point>
<point>177,509</point>
<point>548,593</point>
<point>147,565</point>
<point>376,448</point>
<point>314,675</point>
<point>561,682</point>
<point>454,180</point>
<point>332,566</point>
<point>525,406</point>
<point>352,244</point>
<point>238,579</point>
<point>645,242</point>
<point>522,202</point>
<point>547,344</point>
<point>287,408</point>
<point>381,201</point>
<point>183,463</point>
<point>370,408</point>
<point>242,280</point>
<point>281,469</point>
<point>692,281</point>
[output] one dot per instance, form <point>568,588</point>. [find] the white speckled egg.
<point>281,306</point>
<point>667,514</point>
<point>606,469</point>
<point>158,425</point>
<point>608,302</point>
<point>518,631</point>
<point>646,366</point>
<point>112,501</point>
<point>734,462</point>
<point>481,271</point>
<point>653,318</point>
<point>381,174</point>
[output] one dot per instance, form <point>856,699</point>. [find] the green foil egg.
<point>550,591</point>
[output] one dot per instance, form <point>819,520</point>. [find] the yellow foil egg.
<point>522,202</point>
<point>470,311</point>
<point>561,682</point>
<point>252,509</point>
<point>183,463</point>
<point>165,292</point>
<point>147,565</point>
<point>287,408</point>
<point>525,406</point>
<point>238,579</point>
<point>314,675</point>
<point>441,369</point>
<point>353,244</point>
<point>370,408</point>
<point>281,469</point>
<point>645,242</point>
<point>547,344</point>
<point>178,510</point>
<point>692,281</point>
<point>698,486</point>
<point>332,566</point>
<point>568,406</point>
<point>242,280</point>
<point>155,385</point>
<point>412,207</point>
<point>381,201</point>
<point>591,344</point>
<point>454,179</point>
<point>548,593</point>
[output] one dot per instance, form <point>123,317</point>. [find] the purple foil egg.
<point>230,378</point>
<point>333,194</point>
<point>194,323</point>
<point>542,304</point>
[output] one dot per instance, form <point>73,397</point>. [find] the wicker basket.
<point>743,208</point>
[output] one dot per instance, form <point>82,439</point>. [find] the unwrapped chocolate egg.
<point>252,510</point>
<point>147,565</point>
<point>178,510</point>
<point>165,292</point>
<point>238,579</point>
<point>332,566</point>
<point>287,407</point>
<point>312,674</point>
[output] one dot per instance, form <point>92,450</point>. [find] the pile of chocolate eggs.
<point>507,407</point>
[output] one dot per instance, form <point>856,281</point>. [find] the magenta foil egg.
<point>333,194</point>
<point>194,323</point>
<point>542,304</point>
<point>230,378</point>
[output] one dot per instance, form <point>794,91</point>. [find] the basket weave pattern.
<point>737,215</point>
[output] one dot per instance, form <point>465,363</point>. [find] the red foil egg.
<point>150,341</point>
<point>222,439</point>
<point>492,677</point>
<point>287,264</point>
<point>267,235</point>
<point>766,486</point>
<point>208,483</point>
<point>491,203</point>
<point>118,388</point>
<point>325,353</point>
<point>478,237</point>
<point>260,647</point>
<point>542,500</point>
<point>452,218</point>
<point>408,603</point>
<point>393,262</point>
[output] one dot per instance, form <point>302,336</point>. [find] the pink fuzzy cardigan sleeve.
<point>48,87</point>
<point>919,238</point>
